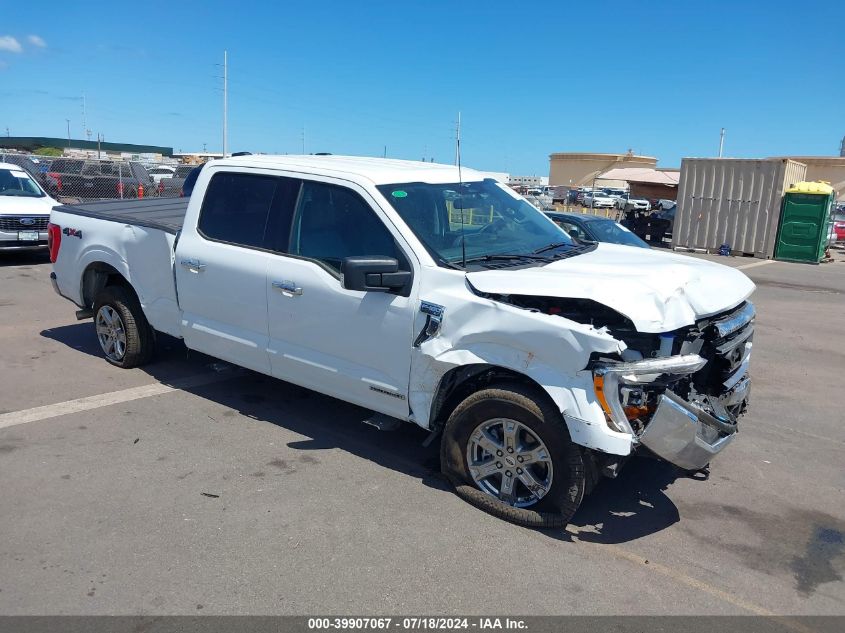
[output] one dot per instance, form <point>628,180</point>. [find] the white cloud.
<point>37,40</point>
<point>10,44</point>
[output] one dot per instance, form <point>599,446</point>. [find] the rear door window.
<point>247,209</point>
<point>236,208</point>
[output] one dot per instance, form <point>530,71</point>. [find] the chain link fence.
<point>73,180</point>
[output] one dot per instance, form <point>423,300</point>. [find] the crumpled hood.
<point>658,291</point>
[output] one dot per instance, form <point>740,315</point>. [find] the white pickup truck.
<point>430,295</point>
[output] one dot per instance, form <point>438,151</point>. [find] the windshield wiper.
<point>506,257</point>
<point>552,246</point>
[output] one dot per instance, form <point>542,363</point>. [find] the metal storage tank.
<point>732,201</point>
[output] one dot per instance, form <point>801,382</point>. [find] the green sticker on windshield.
<point>399,194</point>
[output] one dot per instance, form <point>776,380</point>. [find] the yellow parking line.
<point>695,583</point>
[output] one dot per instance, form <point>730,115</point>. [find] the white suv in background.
<point>24,210</point>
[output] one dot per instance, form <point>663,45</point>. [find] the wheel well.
<point>96,277</point>
<point>459,382</point>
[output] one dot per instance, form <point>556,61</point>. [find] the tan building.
<point>827,168</point>
<point>644,182</point>
<point>579,169</point>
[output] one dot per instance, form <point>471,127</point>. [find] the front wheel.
<point>123,332</point>
<point>507,451</point>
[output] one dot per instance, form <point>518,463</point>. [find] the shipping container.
<point>733,201</point>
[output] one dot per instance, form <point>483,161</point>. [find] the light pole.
<point>68,132</point>
<point>225,103</point>
<point>721,141</point>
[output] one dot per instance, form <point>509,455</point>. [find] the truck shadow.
<point>24,258</point>
<point>619,510</point>
<point>325,421</point>
<point>633,505</point>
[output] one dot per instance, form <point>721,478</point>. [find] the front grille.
<point>726,346</point>
<point>24,223</point>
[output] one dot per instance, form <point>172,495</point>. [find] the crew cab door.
<point>221,270</point>
<point>352,345</point>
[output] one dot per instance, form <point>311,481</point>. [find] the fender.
<point>559,351</point>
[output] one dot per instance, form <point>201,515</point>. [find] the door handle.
<point>193,264</point>
<point>287,286</point>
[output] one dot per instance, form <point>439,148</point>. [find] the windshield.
<point>493,221</point>
<point>610,231</point>
<point>16,182</point>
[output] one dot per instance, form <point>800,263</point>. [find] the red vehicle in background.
<point>839,223</point>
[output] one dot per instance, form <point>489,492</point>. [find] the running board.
<point>382,422</point>
<point>84,314</point>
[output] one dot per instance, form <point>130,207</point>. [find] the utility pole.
<point>68,132</point>
<point>225,102</point>
<point>99,140</point>
<point>458,139</point>
<point>385,152</point>
<point>85,129</point>
<point>721,141</point>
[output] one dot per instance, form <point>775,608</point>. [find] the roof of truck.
<point>379,171</point>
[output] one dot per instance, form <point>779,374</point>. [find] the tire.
<point>138,341</point>
<point>536,415</point>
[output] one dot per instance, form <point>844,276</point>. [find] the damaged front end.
<point>681,394</point>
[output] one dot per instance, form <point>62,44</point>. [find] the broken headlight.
<point>622,389</point>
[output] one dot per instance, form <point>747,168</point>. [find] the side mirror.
<point>374,274</point>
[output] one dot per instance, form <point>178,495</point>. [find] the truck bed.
<point>166,214</point>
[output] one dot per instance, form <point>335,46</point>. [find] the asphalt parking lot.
<point>186,487</point>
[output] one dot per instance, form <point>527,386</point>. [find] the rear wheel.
<point>123,332</point>
<point>507,451</point>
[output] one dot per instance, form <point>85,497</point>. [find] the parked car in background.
<point>580,193</point>
<point>36,168</point>
<point>614,193</point>
<point>24,210</point>
<point>544,203</point>
<point>661,224</point>
<point>627,202</point>
<point>92,179</point>
<point>839,224</point>
<point>190,181</point>
<point>588,229</point>
<point>664,204</point>
<point>161,171</point>
<point>597,200</point>
<point>172,186</point>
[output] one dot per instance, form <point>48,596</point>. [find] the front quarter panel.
<point>550,350</point>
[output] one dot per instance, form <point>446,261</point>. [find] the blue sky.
<point>529,78</point>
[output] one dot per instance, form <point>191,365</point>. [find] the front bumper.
<point>10,240</point>
<point>685,435</point>
<point>711,375</point>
